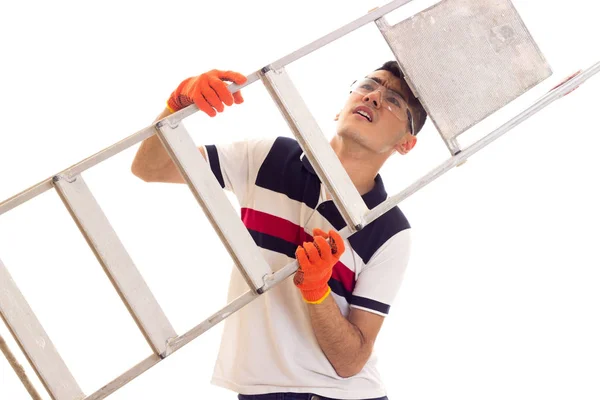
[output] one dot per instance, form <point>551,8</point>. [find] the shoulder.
<point>391,230</point>
<point>255,151</point>
<point>284,148</point>
<point>286,142</point>
<point>282,154</point>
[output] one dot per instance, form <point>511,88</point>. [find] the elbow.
<point>345,374</point>
<point>351,369</point>
<point>140,173</point>
<point>348,371</point>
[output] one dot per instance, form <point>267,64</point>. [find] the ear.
<point>406,144</point>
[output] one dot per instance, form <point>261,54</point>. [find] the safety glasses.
<point>390,99</point>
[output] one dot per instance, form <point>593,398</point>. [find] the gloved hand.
<point>316,260</point>
<point>208,91</point>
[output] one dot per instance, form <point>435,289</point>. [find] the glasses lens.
<point>365,86</point>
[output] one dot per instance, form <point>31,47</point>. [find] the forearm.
<point>151,156</point>
<point>342,342</point>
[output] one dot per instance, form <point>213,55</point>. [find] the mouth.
<point>364,112</point>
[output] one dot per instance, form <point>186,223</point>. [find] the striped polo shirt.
<point>269,345</point>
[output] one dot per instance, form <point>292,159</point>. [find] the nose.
<point>374,98</point>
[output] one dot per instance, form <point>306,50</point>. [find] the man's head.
<point>381,113</point>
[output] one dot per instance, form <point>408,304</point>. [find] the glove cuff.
<point>172,105</point>
<point>169,106</point>
<point>316,296</point>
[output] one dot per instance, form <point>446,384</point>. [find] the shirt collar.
<point>372,198</point>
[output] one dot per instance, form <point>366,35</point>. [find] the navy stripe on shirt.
<point>282,172</point>
<point>338,288</point>
<point>215,165</point>
<point>273,243</point>
<point>370,304</point>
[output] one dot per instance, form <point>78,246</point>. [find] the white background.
<point>501,296</point>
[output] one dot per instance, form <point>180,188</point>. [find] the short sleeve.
<point>380,279</point>
<point>236,164</point>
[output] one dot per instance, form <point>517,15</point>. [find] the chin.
<point>347,129</point>
<point>349,134</point>
<point>354,137</point>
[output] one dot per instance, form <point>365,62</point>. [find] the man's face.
<point>383,130</point>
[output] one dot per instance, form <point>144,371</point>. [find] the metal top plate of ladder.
<point>466,59</point>
<point>500,59</point>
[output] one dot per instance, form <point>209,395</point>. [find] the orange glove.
<point>316,262</point>
<point>208,91</point>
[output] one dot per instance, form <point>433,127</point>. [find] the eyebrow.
<point>376,79</point>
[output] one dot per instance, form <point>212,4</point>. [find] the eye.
<point>366,86</point>
<point>394,101</point>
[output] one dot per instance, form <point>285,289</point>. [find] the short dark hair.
<point>419,114</point>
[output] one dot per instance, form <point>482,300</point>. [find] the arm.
<point>210,94</point>
<point>347,343</point>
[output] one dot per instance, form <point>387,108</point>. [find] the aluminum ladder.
<point>490,51</point>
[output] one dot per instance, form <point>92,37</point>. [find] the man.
<point>312,336</point>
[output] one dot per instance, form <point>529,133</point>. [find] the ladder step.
<point>35,343</point>
<point>315,146</point>
<point>215,204</point>
<point>118,265</point>
<point>465,60</point>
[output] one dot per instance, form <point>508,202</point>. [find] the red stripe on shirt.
<point>343,274</point>
<point>275,226</point>
<point>282,228</point>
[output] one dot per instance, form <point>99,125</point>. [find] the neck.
<point>361,164</point>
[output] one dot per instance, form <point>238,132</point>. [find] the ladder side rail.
<point>339,33</point>
<point>76,169</point>
<point>179,342</point>
<point>125,378</point>
<point>175,345</point>
<point>19,370</point>
<point>461,157</point>
<point>34,341</point>
<point>176,117</point>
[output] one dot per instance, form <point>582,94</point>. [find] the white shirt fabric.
<point>269,346</point>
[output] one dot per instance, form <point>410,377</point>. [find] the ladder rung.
<point>35,343</point>
<point>316,148</point>
<point>217,207</point>
<point>115,260</point>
